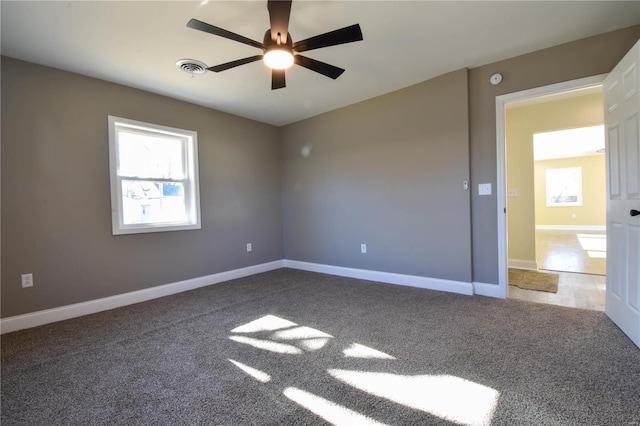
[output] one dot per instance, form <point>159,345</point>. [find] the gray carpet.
<point>322,347</point>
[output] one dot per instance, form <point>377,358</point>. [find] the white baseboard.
<point>523,264</point>
<point>61,313</point>
<point>459,287</point>
<point>571,227</point>
<point>489,290</point>
<point>47,316</point>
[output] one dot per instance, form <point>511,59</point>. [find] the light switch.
<point>513,192</point>
<point>484,189</point>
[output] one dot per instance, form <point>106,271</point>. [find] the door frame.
<point>501,147</point>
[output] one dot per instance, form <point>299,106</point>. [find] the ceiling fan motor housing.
<point>269,42</point>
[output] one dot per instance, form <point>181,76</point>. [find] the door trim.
<point>501,191</point>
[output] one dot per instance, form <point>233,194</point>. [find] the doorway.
<point>528,240</point>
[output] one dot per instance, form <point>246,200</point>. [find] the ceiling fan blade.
<point>277,79</point>
<point>332,38</point>
<point>318,66</point>
<point>279,12</point>
<point>207,28</point>
<point>236,63</point>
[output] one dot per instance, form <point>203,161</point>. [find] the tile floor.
<point>582,291</point>
<point>572,251</point>
<point>583,253</point>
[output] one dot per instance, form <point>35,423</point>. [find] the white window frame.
<point>190,181</point>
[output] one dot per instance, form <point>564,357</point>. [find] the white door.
<point>622,122</point>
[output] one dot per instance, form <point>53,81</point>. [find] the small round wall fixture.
<point>496,79</point>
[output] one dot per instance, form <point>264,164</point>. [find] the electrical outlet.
<point>27,280</point>
<point>363,248</point>
<point>249,248</point>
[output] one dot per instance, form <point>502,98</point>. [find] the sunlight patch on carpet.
<point>357,350</point>
<point>311,345</point>
<point>449,397</point>
<point>307,338</point>
<point>330,411</point>
<point>266,323</point>
<point>299,333</point>
<point>260,376</point>
<point>267,345</point>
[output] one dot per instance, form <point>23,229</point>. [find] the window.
<point>564,187</point>
<point>154,177</point>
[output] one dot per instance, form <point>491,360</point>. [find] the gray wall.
<point>371,168</point>
<point>582,58</point>
<point>56,217</point>
<point>387,172</point>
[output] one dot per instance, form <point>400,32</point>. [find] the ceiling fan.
<point>279,50</point>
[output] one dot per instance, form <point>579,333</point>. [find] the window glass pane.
<point>152,202</point>
<point>149,156</point>
<point>564,187</point>
<point>154,177</point>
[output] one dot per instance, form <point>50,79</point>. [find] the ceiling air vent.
<point>191,66</point>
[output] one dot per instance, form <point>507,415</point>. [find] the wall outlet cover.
<point>27,280</point>
<point>484,189</point>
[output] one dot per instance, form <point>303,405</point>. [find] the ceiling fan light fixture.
<point>278,57</point>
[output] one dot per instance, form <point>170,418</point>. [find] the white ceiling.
<point>138,43</point>
<point>568,143</point>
